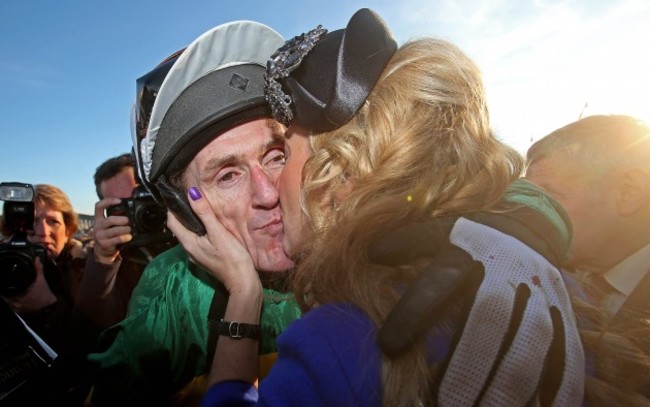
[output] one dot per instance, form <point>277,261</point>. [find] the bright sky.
<point>68,68</point>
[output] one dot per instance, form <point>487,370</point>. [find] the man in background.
<point>112,271</point>
<point>598,168</point>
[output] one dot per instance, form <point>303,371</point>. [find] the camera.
<point>17,269</point>
<point>147,218</point>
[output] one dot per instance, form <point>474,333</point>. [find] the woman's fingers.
<point>204,212</point>
<point>218,251</point>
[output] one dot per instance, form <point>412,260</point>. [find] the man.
<point>210,125</point>
<point>598,168</point>
<point>111,274</point>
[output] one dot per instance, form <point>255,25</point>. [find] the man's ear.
<point>634,191</point>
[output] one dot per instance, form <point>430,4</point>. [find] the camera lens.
<point>150,217</point>
<point>17,272</point>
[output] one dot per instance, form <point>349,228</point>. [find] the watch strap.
<point>238,330</point>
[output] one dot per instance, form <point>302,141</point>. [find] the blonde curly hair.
<point>421,146</point>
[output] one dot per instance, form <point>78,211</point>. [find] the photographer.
<point>45,300</point>
<point>47,303</point>
<point>116,262</point>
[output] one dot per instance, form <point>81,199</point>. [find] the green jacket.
<point>162,344</point>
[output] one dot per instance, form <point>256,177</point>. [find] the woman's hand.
<point>226,258</point>
<point>218,251</point>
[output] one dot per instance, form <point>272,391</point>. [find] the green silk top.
<point>161,345</point>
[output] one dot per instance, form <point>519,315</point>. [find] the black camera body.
<point>147,218</point>
<point>17,256</point>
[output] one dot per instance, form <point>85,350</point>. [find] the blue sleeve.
<point>327,358</point>
<point>233,393</point>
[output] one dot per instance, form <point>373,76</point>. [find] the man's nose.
<point>264,189</point>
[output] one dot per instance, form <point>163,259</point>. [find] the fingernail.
<point>195,194</point>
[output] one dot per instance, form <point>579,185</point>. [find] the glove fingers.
<point>490,329</point>
<point>522,296</point>
<point>440,282</point>
<point>569,380</point>
<point>565,365</point>
<point>517,378</point>
<point>555,364</point>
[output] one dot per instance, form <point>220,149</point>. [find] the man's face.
<point>297,151</point>
<point>50,230</point>
<point>238,174</point>
<point>119,186</point>
<point>588,204</point>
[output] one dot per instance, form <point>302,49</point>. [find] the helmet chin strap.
<point>177,202</point>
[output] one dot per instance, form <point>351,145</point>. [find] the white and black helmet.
<point>213,85</point>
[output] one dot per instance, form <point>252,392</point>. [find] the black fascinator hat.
<point>319,80</point>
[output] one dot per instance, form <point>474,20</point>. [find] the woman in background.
<point>47,304</point>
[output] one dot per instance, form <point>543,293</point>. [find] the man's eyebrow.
<point>277,139</point>
<point>214,164</point>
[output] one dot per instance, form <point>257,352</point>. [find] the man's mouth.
<point>273,227</point>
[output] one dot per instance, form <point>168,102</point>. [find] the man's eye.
<point>275,158</point>
<point>227,177</point>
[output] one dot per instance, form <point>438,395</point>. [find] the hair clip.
<point>284,61</point>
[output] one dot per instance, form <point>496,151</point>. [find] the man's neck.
<point>278,281</point>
